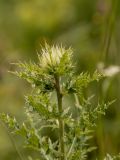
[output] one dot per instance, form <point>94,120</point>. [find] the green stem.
<point>61,121</point>
<point>13,143</point>
<point>110,28</point>
<point>71,148</point>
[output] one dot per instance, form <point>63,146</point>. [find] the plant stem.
<point>71,148</point>
<point>110,28</point>
<point>13,142</point>
<point>61,122</point>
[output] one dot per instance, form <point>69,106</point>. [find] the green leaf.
<point>9,121</point>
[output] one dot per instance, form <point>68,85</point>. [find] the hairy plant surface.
<point>54,75</point>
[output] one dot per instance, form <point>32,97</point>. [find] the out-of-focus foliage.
<point>91,28</point>
<point>108,157</point>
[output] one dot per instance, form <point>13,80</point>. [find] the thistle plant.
<point>54,74</point>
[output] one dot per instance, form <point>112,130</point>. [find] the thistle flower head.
<point>55,57</point>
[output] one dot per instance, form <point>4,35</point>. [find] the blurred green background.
<point>91,28</point>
